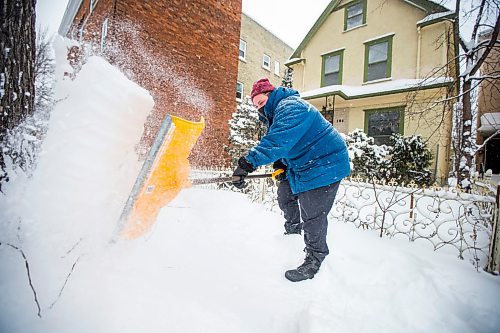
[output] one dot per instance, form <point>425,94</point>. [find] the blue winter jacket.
<point>314,152</point>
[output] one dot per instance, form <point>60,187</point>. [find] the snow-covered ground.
<point>213,262</point>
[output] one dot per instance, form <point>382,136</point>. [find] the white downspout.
<point>303,75</point>
<point>419,42</point>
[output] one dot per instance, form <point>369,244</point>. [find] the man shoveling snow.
<point>316,160</point>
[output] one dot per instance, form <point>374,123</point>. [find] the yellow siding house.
<point>384,66</point>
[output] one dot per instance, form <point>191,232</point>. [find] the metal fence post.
<point>494,253</point>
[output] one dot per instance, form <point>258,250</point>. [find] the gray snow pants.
<point>313,206</point>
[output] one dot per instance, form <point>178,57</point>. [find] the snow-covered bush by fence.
<point>404,160</point>
<point>367,159</point>
<point>410,160</point>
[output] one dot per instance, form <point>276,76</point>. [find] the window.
<point>381,123</point>
<point>355,15</point>
<point>80,34</point>
<point>266,62</point>
<point>332,68</point>
<point>239,90</point>
<point>243,50</point>
<point>104,33</point>
<point>378,58</point>
<point>277,68</point>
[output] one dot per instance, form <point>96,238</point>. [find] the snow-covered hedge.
<point>404,160</point>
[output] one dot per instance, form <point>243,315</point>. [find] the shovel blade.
<point>163,174</point>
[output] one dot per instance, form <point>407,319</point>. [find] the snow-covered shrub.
<point>245,130</point>
<point>367,159</point>
<point>287,81</point>
<point>405,159</point>
<point>410,159</point>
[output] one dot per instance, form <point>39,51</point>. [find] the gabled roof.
<point>429,7</point>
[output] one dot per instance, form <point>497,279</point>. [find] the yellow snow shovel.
<point>164,173</point>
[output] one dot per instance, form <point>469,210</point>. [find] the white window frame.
<point>243,50</point>
<point>362,14</point>
<point>104,33</point>
<point>80,33</point>
<point>268,66</point>
<point>238,83</point>
<point>276,68</point>
<point>92,5</point>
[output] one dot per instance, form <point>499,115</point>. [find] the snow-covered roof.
<point>374,89</point>
<point>293,61</point>
<point>436,17</point>
<point>490,123</point>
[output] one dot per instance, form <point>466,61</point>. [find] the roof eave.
<point>69,16</point>
<point>448,17</point>
<point>294,61</point>
<point>314,28</point>
<point>381,93</point>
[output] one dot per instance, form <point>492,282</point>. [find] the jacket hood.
<point>274,98</point>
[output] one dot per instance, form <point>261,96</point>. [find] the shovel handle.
<point>201,181</point>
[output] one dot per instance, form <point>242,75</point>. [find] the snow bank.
<point>214,262</point>
<point>88,163</point>
<point>85,172</point>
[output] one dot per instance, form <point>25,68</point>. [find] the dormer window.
<point>355,15</point>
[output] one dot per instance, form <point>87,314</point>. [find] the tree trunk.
<point>17,54</point>
<point>467,150</point>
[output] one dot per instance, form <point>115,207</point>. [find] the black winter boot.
<point>293,232</point>
<point>305,271</point>
<point>291,229</point>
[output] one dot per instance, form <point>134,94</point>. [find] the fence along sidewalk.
<point>447,219</point>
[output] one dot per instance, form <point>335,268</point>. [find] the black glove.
<point>279,176</point>
<point>244,167</point>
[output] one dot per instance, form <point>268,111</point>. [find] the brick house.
<point>488,119</point>
<point>261,54</point>
<point>183,52</point>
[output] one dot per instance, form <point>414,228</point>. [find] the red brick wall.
<point>184,52</point>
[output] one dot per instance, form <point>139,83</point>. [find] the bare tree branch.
<point>29,275</point>
<point>478,20</point>
<point>70,250</point>
<point>65,282</point>
<point>488,139</point>
<point>494,36</point>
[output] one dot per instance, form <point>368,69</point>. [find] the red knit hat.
<point>261,86</point>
